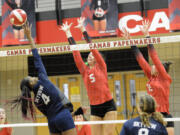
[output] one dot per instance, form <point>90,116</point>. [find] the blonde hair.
<point>147,106</point>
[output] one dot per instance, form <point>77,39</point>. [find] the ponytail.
<point>24,100</point>
<point>159,117</point>
<point>167,66</point>
<point>145,118</point>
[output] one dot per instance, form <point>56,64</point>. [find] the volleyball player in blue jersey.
<point>149,121</point>
<point>47,97</point>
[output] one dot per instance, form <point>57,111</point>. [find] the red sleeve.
<point>88,130</point>
<point>144,65</point>
<point>79,62</point>
<point>99,59</point>
<point>9,131</point>
<point>159,66</point>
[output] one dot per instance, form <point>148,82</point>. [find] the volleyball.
<point>18,17</point>
<point>99,12</point>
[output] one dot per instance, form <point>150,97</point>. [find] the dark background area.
<point>116,60</point>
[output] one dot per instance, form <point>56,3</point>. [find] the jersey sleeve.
<point>124,130</point>
<point>77,57</point>
<point>79,61</point>
<point>159,66</point>
<point>141,61</point>
<point>99,59</point>
<point>38,64</point>
<point>86,37</point>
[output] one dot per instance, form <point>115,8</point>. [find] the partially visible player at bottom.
<point>47,97</point>
<point>3,120</point>
<point>95,78</point>
<point>149,121</point>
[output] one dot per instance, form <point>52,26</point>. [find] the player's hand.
<point>80,22</point>
<point>65,27</point>
<point>145,27</point>
<point>27,29</point>
<point>125,34</point>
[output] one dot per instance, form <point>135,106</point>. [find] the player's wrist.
<point>68,34</point>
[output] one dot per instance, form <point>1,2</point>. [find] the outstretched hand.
<point>80,22</point>
<point>145,27</point>
<point>125,34</point>
<point>65,27</point>
<point>27,29</point>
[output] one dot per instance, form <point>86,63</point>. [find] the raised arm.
<point>83,29</point>
<point>159,66</point>
<point>37,59</point>
<point>96,54</point>
<point>139,57</point>
<point>152,52</point>
<point>76,54</point>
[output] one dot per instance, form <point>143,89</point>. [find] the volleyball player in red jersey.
<point>3,120</point>
<point>159,82</point>
<point>95,79</point>
<point>79,117</point>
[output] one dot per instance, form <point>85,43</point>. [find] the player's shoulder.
<point>131,121</point>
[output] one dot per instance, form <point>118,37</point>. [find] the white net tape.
<point>77,123</point>
<point>100,45</point>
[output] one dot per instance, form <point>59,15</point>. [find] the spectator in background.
<point>79,116</point>
<point>3,120</point>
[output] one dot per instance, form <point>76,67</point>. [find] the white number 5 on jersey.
<point>45,98</point>
<point>143,131</point>
<point>92,78</point>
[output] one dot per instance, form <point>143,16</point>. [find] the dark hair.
<point>167,66</point>
<point>24,99</point>
<point>102,54</point>
<point>147,105</point>
<point>80,111</point>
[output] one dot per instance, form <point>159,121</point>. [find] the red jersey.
<point>95,79</point>
<point>85,130</point>
<point>157,86</point>
<point>6,131</point>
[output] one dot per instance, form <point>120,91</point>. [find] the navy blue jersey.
<point>48,98</point>
<point>135,127</point>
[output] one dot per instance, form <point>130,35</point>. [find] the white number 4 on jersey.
<point>45,98</point>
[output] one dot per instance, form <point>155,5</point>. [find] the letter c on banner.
<point>124,21</point>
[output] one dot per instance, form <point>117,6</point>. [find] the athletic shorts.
<point>17,27</point>
<point>169,123</point>
<point>61,122</point>
<point>101,109</point>
<point>99,18</point>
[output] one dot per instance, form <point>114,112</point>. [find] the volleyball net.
<point>126,80</point>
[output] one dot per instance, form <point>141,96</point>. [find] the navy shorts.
<point>61,122</point>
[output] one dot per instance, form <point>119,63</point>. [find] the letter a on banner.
<point>11,34</point>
